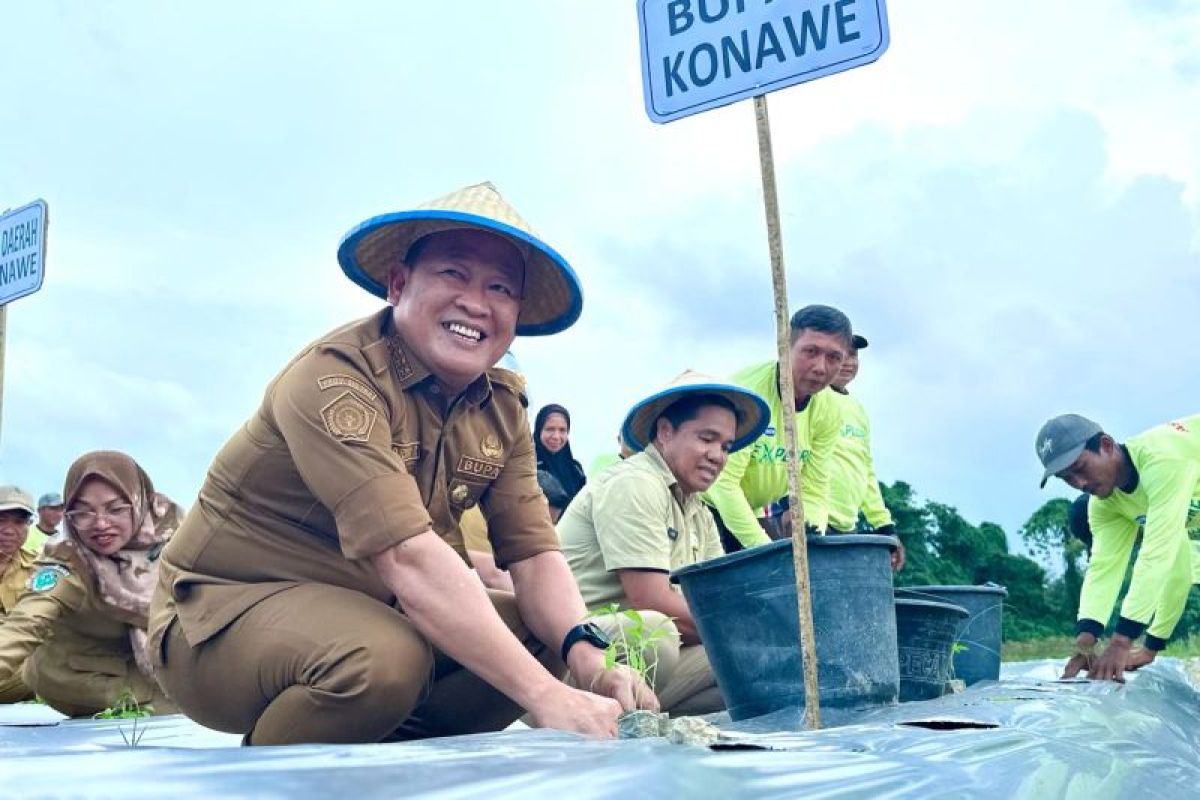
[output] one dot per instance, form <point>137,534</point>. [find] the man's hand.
<point>1084,657</point>
<point>619,682</point>
<point>578,711</point>
<point>1138,658</point>
<point>626,687</point>
<point>1110,666</point>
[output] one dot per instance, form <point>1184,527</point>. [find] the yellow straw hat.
<point>753,413</point>
<point>553,298</point>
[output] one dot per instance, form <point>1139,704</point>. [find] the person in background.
<point>606,460</point>
<point>643,518</point>
<point>49,515</point>
<point>756,477</point>
<point>479,547</point>
<point>16,567</point>
<point>479,551</point>
<point>77,636</point>
<point>1152,481</point>
<point>552,443</point>
<point>853,487</point>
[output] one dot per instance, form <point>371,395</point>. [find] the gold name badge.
<point>478,468</point>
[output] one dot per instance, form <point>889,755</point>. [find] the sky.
<point>1007,204</point>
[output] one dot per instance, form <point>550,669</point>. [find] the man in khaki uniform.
<point>642,518</point>
<point>16,566</point>
<point>318,590</point>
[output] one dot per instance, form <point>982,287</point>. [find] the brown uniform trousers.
<point>269,619</point>
<point>62,646</point>
<point>319,663</point>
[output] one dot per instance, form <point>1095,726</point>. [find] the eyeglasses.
<point>83,520</point>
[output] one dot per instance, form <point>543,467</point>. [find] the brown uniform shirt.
<point>351,452</point>
<point>12,582</point>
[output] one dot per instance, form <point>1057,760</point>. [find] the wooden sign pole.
<point>808,648</point>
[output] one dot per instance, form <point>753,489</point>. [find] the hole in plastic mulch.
<point>949,724</point>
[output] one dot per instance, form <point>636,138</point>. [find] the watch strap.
<point>586,632</point>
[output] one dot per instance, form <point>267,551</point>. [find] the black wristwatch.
<point>587,632</point>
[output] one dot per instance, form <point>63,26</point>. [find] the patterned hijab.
<point>123,582</point>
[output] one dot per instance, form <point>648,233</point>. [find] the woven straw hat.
<point>553,298</point>
<point>752,411</point>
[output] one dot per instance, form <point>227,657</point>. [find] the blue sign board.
<point>701,54</point>
<point>22,251</point>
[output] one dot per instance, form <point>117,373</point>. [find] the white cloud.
<point>1005,202</point>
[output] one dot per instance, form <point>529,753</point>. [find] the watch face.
<point>596,636</point>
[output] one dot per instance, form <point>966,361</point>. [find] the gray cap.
<point>15,498</point>
<point>50,499</point>
<point>1061,440</point>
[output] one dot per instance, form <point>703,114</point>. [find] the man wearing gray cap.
<point>1152,481</point>
<point>49,515</point>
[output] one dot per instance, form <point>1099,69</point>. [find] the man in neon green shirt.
<point>1077,524</point>
<point>49,515</point>
<point>757,476</point>
<point>1153,480</point>
<point>852,483</point>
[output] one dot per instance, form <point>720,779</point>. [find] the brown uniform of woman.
<point>77,635</point>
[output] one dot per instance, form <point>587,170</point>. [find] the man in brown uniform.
<point>318,590</point>
<point>16,566</point>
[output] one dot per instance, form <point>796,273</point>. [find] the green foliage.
<point>944,548</point>
<point>1048,536</point>
<point>635,642</point>
<point>1060,647</point>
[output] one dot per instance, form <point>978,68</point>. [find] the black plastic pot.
<point>980,634</point>
<point>744,605</point>
<point>925,636</point>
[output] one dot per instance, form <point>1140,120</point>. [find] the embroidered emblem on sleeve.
<point>347,382</point>
<point>46,578</point>
<point>349,418</point>
<point>490,447</point>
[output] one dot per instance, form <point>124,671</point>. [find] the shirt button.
<point>434,389</point>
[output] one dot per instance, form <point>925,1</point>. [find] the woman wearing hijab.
<point>552,442</point>
<point>77,635</point>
